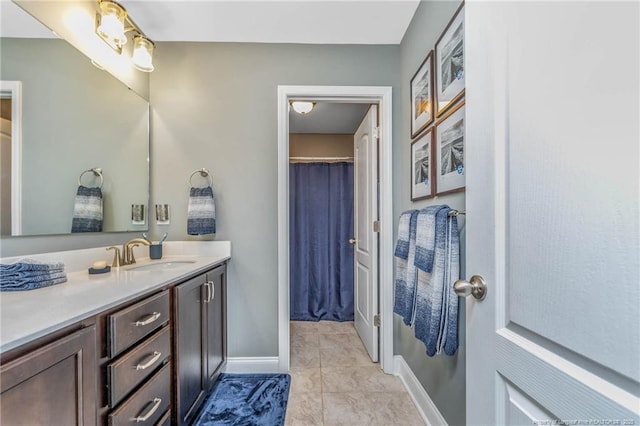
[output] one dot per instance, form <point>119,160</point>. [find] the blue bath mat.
<point>246,399</point>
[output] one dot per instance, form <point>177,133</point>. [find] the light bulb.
<point>142,56</point>
<point>111,26</point>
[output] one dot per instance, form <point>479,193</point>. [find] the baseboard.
<point>420,397</point>
<point>267,364</point>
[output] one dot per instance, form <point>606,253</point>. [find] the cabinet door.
<point>190,351</point>
<point>216,326</point>
<point>55,384</point>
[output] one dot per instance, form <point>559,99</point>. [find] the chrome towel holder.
<point>97,171</point>
<point>456,212</point>
<point>204,173</point>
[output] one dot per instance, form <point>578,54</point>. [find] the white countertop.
<point>28,315</point>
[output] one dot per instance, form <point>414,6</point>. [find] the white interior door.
<point>552,212</point>
<point>366,244</point>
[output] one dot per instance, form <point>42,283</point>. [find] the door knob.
<point>352,240</point>
<point>476,286</point>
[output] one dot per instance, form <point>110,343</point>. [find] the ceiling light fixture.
<point>112,24</point>
<point>302,107</point>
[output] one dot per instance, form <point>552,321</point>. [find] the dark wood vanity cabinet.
<point>55,384</point>
<point>150,360</point>
<point>200,339</point>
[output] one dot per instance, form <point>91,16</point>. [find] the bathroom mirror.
<point>74,117</point>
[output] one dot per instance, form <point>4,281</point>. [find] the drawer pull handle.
<point>154,357</point>
<point>156,404</point>
<point>207,287</point>
<point>148,320</point>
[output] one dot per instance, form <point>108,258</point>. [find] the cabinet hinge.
<point>376,132</point>
<point>376,320</point>
<point>376,226</point>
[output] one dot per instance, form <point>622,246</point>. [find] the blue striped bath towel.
<point>406,273</point>
<point>437,261</point>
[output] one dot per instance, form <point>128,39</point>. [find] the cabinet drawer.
<point>136,365</point>
<point>148,405</point>
<point>129,325</point>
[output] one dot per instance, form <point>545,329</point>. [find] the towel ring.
<point>204,173</point>
<point>97,171</point>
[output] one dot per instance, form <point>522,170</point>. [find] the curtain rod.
<point>319,159</point>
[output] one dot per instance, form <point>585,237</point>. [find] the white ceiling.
<point>268,21</point>
<point>263,21</point>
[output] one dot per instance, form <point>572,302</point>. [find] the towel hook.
<point>204,173</point>
<point>97,171</point>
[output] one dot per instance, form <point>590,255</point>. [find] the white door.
<point>552,212</point>
<point>366,240</point>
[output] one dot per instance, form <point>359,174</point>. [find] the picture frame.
<point>422,170</point>
<point>421,90</point>
<point>450,149</point>
<point>449,72</point>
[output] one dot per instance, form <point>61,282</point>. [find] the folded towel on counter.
<point>25,264</point>
<point>437,260</point>
<point>406,273</point>
<point>201,212</point>
<point>27,282</point>
<point>27,274</point>
<point>87,210</point>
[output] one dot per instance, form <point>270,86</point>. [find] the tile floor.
<point>334,382</point>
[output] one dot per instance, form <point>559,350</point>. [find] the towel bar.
<point>457,212</point>
<point>97,171</point>
<point>204,173</point>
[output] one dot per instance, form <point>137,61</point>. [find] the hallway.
<point>334,382</point>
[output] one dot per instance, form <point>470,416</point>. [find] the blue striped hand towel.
<point>201,212</point>
<point>87,210</point>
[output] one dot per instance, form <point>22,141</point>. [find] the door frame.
<point>382,96</point>
<point>13,89</point>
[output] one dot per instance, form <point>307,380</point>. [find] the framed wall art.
<point>450,63</point>
<point>422,171</point>
<point>421,89</point>
<point>450,150</point>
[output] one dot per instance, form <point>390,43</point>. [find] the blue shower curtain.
<point>320,225</point>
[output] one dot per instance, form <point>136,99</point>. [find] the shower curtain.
<point>320,225</point>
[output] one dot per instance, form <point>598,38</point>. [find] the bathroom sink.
<point>161,265</point>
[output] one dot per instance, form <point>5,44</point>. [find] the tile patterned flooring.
<point>334,382</point>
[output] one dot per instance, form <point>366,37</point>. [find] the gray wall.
<point>443,377</point>
<point>214,106</point>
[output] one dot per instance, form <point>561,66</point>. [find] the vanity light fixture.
<point>142,57</point>
<point>110,21</point>
<point>112,25</point>
<point>302,107</point>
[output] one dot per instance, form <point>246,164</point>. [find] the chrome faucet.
<point>125,257</point>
